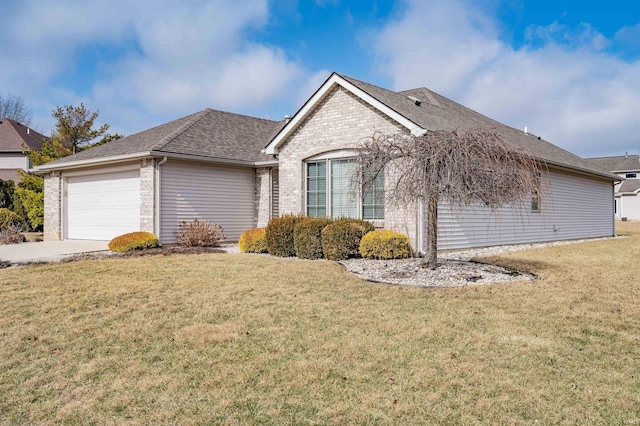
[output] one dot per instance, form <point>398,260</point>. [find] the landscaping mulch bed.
<point>162,251</point>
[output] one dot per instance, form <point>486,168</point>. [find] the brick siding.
<point>339,121</point>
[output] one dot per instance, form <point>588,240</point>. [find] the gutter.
<point>84,163</point>
<point>610,176</point>
<point>266,163</point>
<point>201,158</point>
<point>129,157</point>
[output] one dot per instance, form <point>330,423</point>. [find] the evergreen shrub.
<point>279,234</point>
<point>385,244</point>
<point>307,237</point>
<point>253,241</point>
<point>341,239</point>
<point>8,218</point>
<point>134,241</point>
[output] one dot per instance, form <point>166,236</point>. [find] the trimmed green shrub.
<point>253,241</point>
<point>385,244</point>
<point>279,234</point>
<point>134,241</point>
<point>341,239</point>
<point>307,237</point>
<point>8,218</point>
<point>199,233</point>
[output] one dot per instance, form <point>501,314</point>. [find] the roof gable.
<point>14,135</point>
<point>362,91</point>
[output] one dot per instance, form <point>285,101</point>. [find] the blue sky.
<point>568,70</point>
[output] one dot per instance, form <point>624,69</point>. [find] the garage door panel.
<point>103,206</point>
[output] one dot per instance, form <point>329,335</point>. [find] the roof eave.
<point>49,167</point>
<point>266,163</point>
<point>608,176</point>
<point>202,158</point>
<point>333,80</point>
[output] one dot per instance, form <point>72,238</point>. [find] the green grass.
<point>243,339</point>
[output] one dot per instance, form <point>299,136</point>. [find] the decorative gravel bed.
<point>455,268</point>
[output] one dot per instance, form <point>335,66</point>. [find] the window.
<point>535,202</point>
<point>631,176</point>
<point>317,189</point>
<point>329,192</point>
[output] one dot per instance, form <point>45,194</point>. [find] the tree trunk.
<point>431,259</point>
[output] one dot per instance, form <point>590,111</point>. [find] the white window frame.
<point>535,195</point>
<point>328,158</point>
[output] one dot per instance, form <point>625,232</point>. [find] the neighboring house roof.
<point>620,163</point>
<point>629,185</point>
<point>431,111</point>
<point>209,133</point>
<point>13,135</point>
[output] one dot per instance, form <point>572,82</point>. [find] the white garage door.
<point>103,206</point>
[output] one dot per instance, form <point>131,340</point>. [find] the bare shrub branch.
<point>463,168</point>
<point>13,107</point>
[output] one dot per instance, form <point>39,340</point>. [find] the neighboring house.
<point>627,198</point>
<point>240,171</point>
<point>13,139</point>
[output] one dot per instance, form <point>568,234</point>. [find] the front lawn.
<point>245,339</point>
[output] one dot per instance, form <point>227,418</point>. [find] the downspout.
<point>157,218</point>
<point>420,227</point>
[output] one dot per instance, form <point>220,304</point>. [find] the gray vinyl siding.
<point>573,207</point>
<point>215,193</point>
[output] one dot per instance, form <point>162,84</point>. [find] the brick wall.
<point>263,196</point>
<point>147,195</point>
<point>52,206</point>
<point>339,121</point>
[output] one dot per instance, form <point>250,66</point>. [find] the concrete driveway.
<point>49,250</point>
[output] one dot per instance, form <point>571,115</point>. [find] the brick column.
<point>147,194</point>
<point>53,206</point>
<point>263,196</point>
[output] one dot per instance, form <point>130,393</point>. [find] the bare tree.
<point>463,168</point>
<point>13,107</point>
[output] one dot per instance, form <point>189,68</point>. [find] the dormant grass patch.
<point>237,339</point>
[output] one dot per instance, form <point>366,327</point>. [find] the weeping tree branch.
<point>460,167</point>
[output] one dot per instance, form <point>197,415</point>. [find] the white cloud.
<point>162,59</point>
<point>564,84</point>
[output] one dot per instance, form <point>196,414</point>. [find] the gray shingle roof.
<point>620,163</point>
<point>227,136</point>
<point>439,113</point>
<point>14,134</point>
<point>629,185</point>
<point>208,133</point>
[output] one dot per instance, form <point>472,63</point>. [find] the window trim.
<point>535,200</point>
<point>328,158</point>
